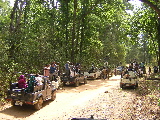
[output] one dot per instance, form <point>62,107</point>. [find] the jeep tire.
<point>53,96</point>
<point>76,83</point>
<point>38,105</point>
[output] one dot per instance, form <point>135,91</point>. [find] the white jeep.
<point>96,73</point>
<point>129,80</point>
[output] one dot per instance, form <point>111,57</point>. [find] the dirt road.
<point>101,98</point>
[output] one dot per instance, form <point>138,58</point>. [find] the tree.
<point>154,5</point>
<point>143,33</point>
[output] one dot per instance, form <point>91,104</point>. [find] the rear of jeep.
<point>35,98</point>
<point>130,82</point>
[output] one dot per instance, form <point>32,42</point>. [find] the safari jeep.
<point>36,97</point>
<point>74,79</point>
<point>94,74</point>
<point>129,80</point>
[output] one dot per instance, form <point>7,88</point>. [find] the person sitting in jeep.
<point>92,69</point>
<point>31,83</point>
<point>77,68</point>
<point>38,79</point>
<point>22,82</point>
<point>128,72</point>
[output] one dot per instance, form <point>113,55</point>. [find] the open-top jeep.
<point>32,95</point>
<point>129,80</point>
<point>74,78</point>
<point>93,74</point>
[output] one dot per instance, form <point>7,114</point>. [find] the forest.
<point>37,32</point>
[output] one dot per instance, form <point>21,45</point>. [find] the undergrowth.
<point>147,101</point>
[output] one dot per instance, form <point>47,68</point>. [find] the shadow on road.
<point>91,85</point>
<point>22,111</point>
<point>19,111</point>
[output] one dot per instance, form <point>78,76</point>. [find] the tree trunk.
<point>15,17</point>
<point>158,28</point>
<point>74,32</point>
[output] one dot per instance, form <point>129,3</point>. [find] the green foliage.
<point>81,31</point>
<point>47,33</point>
<point>142,43</point>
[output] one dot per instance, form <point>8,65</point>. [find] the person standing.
<point>67,69</point>
<point>52,72</point>
<point>104,73</point>
<point>46,70</point>
<point>72,70</point>
<point>58,68</point>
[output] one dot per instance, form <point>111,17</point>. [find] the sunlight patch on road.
<point>93,85</point>
<point>116,77</point>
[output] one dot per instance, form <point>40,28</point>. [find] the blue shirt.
<point>52,69</point>
<point>67,66</point>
